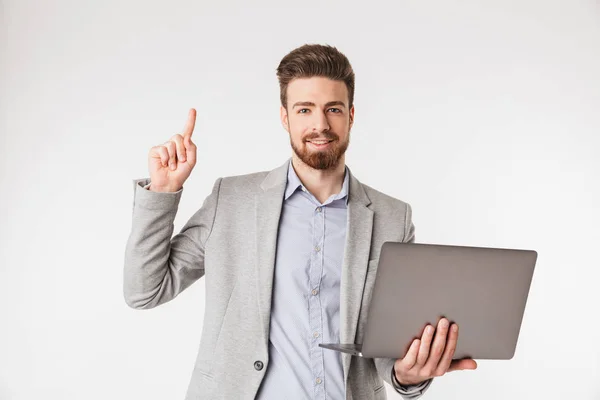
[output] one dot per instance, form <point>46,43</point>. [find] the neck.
<point>321,183</point>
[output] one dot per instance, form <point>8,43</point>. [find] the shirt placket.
<point>315,308</point>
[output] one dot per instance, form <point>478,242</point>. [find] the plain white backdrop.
<point>483,115</point>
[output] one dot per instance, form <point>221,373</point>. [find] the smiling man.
<point>288,256</point>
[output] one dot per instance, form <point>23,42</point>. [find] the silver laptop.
<point>483,290</point>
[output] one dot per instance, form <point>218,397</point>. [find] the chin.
<point>320,159</point>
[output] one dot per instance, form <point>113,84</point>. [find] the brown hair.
<point>315,60</point>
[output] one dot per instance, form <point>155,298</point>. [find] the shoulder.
<point>242,184</point>
<point>384,202</point>
<point>392,216</point>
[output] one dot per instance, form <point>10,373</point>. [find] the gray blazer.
<point>231,240</point>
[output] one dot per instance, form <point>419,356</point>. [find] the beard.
<point>328,158</point>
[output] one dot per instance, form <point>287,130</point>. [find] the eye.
<point>302,109</point>
<point>337,110</point>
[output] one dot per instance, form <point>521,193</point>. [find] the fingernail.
<point>454,328</point>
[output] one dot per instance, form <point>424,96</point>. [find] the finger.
<point>180,147</point>
<point>410,358</point>
<point>459,365</point>
<point>162,153</point>
<point>444,363</point>
<point>425,346</point>
<point>191,153</point>
<point>189,126</point>
<point>439,343</point>
<point>171,148</point>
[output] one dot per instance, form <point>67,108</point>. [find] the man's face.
<point>318,120</point>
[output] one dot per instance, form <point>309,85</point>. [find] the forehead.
<point>317,89</point>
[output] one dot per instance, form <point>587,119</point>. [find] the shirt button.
<point>317,249</point>
<point>318,380</point>
<point>318,209</point>
<point>258,365</point>
<point>314,292</point>
<point>316,334</point>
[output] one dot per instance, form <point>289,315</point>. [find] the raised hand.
<point>171,163</point>
<point>425,360</point>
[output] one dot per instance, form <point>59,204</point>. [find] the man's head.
<point>317,93</point>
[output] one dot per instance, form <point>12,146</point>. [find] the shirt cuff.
<point>410,390</point>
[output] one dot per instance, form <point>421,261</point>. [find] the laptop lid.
<point>484,290</point>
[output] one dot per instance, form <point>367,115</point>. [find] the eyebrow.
<point>311,104</point>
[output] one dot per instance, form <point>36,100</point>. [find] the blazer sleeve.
<point>158,266</point>
<point>385,366</point>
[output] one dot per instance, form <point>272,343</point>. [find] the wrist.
<point>399,381</point>
<point>395,378</point>
<point>160,189</point>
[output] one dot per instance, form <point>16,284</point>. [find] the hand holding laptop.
<point>482,289</point>
<point>431,357</point>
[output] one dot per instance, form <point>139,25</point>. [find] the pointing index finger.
<point>189,126</point>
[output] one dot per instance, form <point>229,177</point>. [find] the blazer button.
<point>258,365</point>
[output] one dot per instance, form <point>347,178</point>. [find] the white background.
<point>484,115</point>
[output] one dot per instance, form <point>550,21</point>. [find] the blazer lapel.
<point>354,266</point>
<point>268,203</point>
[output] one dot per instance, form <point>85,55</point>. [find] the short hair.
<point>311,60</point>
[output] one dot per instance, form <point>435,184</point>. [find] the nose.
<point>320,122</point>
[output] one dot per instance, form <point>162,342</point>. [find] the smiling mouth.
<point>319,142</point>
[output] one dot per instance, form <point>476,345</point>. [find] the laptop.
<point>483,290</point>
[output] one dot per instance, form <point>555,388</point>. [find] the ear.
<point>352,116</point>
<point>283,115</point>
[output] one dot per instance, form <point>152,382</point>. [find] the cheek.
<point>297,130</point>
<point>340,124</point>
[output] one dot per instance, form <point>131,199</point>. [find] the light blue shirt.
<point>306,297</point>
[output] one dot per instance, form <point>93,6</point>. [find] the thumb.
<point>457,365</point>
<point>190,150</point>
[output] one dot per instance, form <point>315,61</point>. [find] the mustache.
<point>324,135</point>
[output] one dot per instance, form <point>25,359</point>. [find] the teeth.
<point>320,142</point>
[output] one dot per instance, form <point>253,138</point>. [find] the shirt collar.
<point>294,183</point>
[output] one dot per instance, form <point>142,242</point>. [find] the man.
<point>289,256</point>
